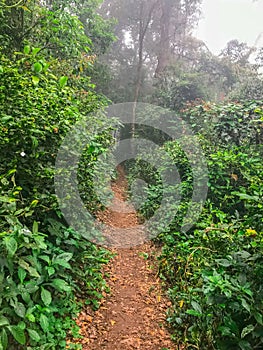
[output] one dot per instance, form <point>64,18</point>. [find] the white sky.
<point>224,20</point>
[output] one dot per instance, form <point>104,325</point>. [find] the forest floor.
<point>132,315</point>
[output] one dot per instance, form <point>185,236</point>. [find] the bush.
<point>37,110</point>
<point>215,278</point>
<point>40,276</point>
<point>44,264</point>
<point>214,271</point>
<point>227,123</point>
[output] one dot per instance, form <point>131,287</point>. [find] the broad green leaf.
<point>34,335</point>
<point>65,256</point>
<point>225,331</point>
<point>18,334</point>
<point>18,212</point>
<point>34,141</point>
<point>91,149</point>
<point>20,310</point>
<point>31,318</point>
<point>44,323</point>
<point>27,49</point>
<point>35,50</point>
<point>224,262</point>
<point>37,67</point>
<point>178,320</point>
<point>22,325</point>
<point>40,242</point>
<point>23,264</point>
<point>31,287</point>
<point>245,304</point>
<point>26,297</point>
<point>3,321</point>
<point>244,254</point>
<point>62,260</point>
<point>248,329</point>
<point>61,285</point>
<point>248,197</point>
<point>46,258</point>
<point>46,296</point>
<point>62,263</point>
<point>4,339</point>
<point>11,245</point>
<point>259,318</point>
<point>6,119</point>
<point>33,272</point>
<point>45,67</point>
<point>50,270</point>
<point>63,81</point>
<point>196,307</point>
<point>10,172</point>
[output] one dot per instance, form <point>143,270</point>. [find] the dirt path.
<point>132,316</point>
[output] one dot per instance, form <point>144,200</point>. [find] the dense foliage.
<point>43,263</point>
<point>46,267</point>
<point>214,271</point>
<point>48,66</point>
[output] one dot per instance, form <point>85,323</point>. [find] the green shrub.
<point>214,271</point>
<point>228,123</point>
<point>37,110</point>
<point>40,276</point>
<point>44,264</point>
<point>215,278</point>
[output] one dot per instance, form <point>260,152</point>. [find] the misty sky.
<point>224,20</point>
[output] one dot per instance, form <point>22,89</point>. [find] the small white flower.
<point>25,230</point>
<point>22,154</point>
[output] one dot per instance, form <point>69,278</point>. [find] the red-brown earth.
<point>133,315</point>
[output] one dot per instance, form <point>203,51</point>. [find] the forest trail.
<point>132,316</point>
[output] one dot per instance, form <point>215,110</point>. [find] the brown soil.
<point>132,315</point>
<point>122,226</point>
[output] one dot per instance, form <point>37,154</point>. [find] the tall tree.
<point>150,35</point>
<point>237,52</point>
<point>177,19</point>
<point>164,53</point>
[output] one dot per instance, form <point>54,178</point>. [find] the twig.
<point>11,6</point>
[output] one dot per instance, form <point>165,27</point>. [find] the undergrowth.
<point>213,272</point>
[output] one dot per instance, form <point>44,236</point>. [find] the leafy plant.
<point>214,272</point>
<point>44,264</point>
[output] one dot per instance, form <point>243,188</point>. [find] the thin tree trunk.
<point>142,33</point>
<point>164,53</point>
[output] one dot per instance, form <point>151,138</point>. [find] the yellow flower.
<point>181,303</point>
<point>250,232</point>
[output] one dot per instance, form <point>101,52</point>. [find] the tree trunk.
<point>165,23</point>
<point>144,23</point>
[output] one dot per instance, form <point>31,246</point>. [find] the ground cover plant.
<point>214,271</point>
